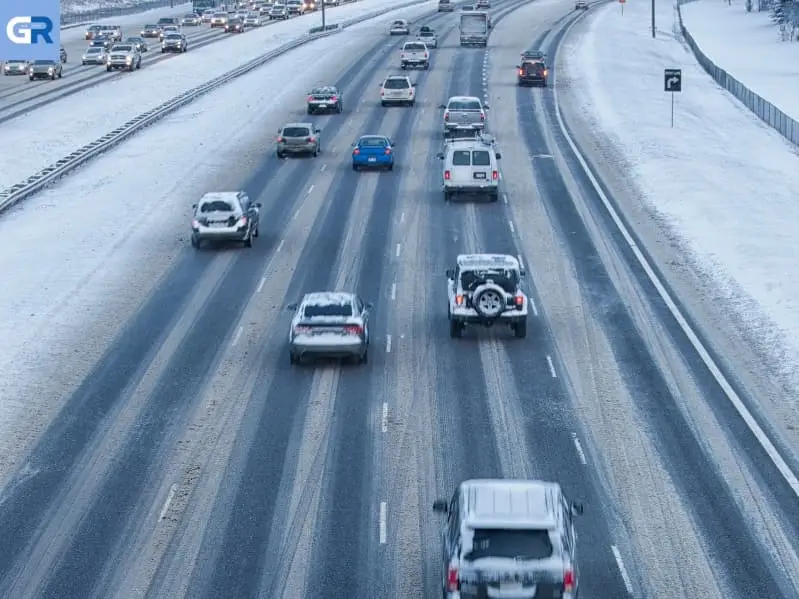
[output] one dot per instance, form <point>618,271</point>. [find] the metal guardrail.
<point>35,183</point>
<point>765,110</point>
<point>76,19</point>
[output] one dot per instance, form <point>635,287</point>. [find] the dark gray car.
<point>227,216</point>
<point>45,69</point>
<point>174,42</point>
<point>509,538</point>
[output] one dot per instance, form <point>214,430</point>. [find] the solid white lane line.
<point>388,344</point>
<point>384,418</point>
<point>399,249</point>
<point>521,261</point>
<point>310,189</point>
<point>296,214</point>
<point>324,166</point>
<point>579,447</point>
<point>512,228</point>
<point>628,583</point>
<point>383,533</point>
<point>393,291</point>
<point>280,245</point>
<point>238,336</point>
<point>261,285</point>
<point>505,198</point>
<point>402,218</point>
<point>551,367</point>
<point>532,306</point>
<point>169,497</point>
<point>735,399</point>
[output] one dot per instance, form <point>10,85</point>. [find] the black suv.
<point>509,538</point>
<point>532,71</point>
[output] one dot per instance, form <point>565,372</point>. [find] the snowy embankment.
<point>748,47</point>
<point>721,185</point>
<point>96,111</point>
<point>136,19</point>
<point>78,260</point>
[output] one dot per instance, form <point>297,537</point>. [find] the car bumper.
<point>42,75</point>
<point>532,80</point>
<point>489,187</point>
<point>299,149</point>
<point>221,234</point>
<point>396,100</point>
<point>377,161</point>
<point>399,32</point>
<point>345,348</point>
<point>415,62</point>
<point>232,30</point>
<point>470,315</point>
<point>94,61</point>
<point>14,71</point>
<point>464,126</point>
<point>319,107</point>
<point>173,48</point>
<point>120,65</point>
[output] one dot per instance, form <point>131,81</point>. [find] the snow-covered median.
<point>73,33</point>
<point>61,128</point>
<point>722,183</point>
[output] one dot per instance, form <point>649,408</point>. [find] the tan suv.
<point>397,89</point>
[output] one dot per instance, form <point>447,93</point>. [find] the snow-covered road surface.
<point>58,129</point>
<point>747,45</point>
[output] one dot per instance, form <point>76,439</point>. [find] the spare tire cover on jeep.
<point>489,300</point>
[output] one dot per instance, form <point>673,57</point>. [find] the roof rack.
<point>533,54</point>
<point>474,135</point>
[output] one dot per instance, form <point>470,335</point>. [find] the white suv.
<point>397,89</point>
<point>470,167</point>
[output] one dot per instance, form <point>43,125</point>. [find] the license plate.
<point>218,225</point>
<point>372,159</point>
<point>479,175</point>
<point>510,586</point>
<point>322,104</point>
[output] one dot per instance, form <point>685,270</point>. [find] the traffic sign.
<point>672,80</point>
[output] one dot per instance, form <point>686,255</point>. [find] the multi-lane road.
<point>195,461</point>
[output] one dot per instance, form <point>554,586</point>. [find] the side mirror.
<point>278,131</point>
<point>317,130</point>
<point>442,107</point>
<point>257,205</point>
<point>577,508</point>
<point>450,273</point>
<point>498,156</point>
<point>440,156</point>
<point>369,305</point>
<point>522,273</point>
<point>194,206</point>
<point>518,66</point>
<point>293,307</point>
<point>486,107</point>
<point>440,506</point>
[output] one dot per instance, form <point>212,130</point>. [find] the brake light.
<point>495,175</point>
<point>519,300</point>
<point>334,99</point>
<point>242,222</point>
<point>426,55</point>
<point>446,115</point>
<point>453,584</point>
<point>353,330</point>
<point>381,92</point>
<point>482,116</point>
<point>310,98</point>
<point>310,139</point>
<point>356,151</point>
<point>521,71</point>
<point>280,140</point>
<point>459,300</point>
<point>568,581</point>
<point>388,151</point>
<point>195,224</point>
<point>447,175</point>
<point>302,330</point>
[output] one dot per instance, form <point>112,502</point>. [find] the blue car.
<point>373,151</point>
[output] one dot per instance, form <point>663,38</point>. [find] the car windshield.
<point>396,84</point>
<point>220,15</point>
<point>216,206</point>
<point>323,91</point>
<point>464,105</point>
<point>44,62</point>
<point>190,17</point>
<point>510,544</point>
<point>481,158</point>
<point>373,142</point>
<point>507,279</point>
<point>151,26</point>
<point>173,36</point>
<point>15,62</point>
<point>340,310</point>
<point>296,132</point>
<point>94,28</point>
<point>413,46</point>
<point>94,50</point>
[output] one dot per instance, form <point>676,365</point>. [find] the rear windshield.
<point>216,206</point>
<point>519,544</point>
<point>396,84</point>
<point>373,142</point>
<point>296,132</point>
<point>426,34</point>
<point>481,158</point>
<point>398,23</point>
<point>342,310</point>
<point>94,50</point>
<point>414,46</point>
<point>461,158</point>
<point>122,48</point>
<point>464,105</point>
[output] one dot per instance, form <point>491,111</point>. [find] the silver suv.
<point>485,289</point>
<point>298,138</point>
<point>470,167</point>
<point>463,112</point>
<point>125,57</point>
<point>397,89</point>
<point>225,216</point>
<point>509,538</point>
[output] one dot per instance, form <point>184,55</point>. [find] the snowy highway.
<point>155,441</point>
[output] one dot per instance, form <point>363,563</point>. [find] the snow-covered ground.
<point>748,47</point>
<point>70,284</point>
<point>135,19</point>
<point>96,111</point>
<point>721,182</point>
<point>77,7</point>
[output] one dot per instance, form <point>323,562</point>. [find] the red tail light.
<point>195,224</point>
<point>482,116</point>
<point>447,175</point>
<point>453,584</point>
<point>568,581</point>
<point>356,151</point>
<point>388,151</point>
<point>310,140</point>
<point>242,222</point>
<point>459,300</point>
<point>519,300</point>
<point>381,92</point>
<point>280,140</point>
<point>310,98</point>
<point>426,55</point>
<point>495,175</point>
<point>446,116</point>
<point>302,330</point>
<point>334,99</point>
<point>353,330</point>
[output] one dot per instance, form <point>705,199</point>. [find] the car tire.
<point>493,197</point>
<point>279,154</point>
<point>256,232</point>
<point>520,329</point>
<point>310,110</point>
<point>316,152</point>
<point>195,242</point>
<point>403,67</point>
<point>447,196</point>
<point>248,241</point>
<point>427,66</point>
<point>356,168</point>
<point>60,74</point>
<point>163,51</point>
<point>293,359</point>
<point>455,328</point>
<point>381,103</point>
<point>390,167</point>
<point>412,103</point>
<point>52,77</point>
<point>339,109</point>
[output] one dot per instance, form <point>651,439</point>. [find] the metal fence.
<point>78,18</point>
<point>765,110</point>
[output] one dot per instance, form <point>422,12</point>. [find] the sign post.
<point>672,83</point>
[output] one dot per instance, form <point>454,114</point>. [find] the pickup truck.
<point>474,28</point>
<point>125,57</point>
<point>463,112</point>
<point>415,55</point>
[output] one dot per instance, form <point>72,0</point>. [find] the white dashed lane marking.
<point>170,496</point>
<point>388,344</point>
<point>624,575</point>
<point>551,367</point>
<point>383,517</point>
<point>579,447</point>
<point>393,291</point>
<point>238,336</point>
<point>280,245</point>
<point>384,418</point>
<point>261,285</point>
<point>399,249</point>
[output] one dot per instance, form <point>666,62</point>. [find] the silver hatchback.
<point>298,138</point>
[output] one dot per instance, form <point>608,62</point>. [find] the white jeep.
<point>485,289</point>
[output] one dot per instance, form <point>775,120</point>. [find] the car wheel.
<point>412,103</point>
<point>256,232</point>
<point>293,359</point>
<point>163,51</point>
<point>455,328</point>
<point>60,74</point>
<point>310,110</point>
<point>383,104</point>
<point>520,329</point>
<point>339,109</point>
<point>427,66</point>
<point>391,167</point>
<point>356,168</point>
<point>52,77</point>
<point>248,241</point>
<point>195,242</point>
<point>316,152</point>
<point>365,357</point>
<point>447,196</point>
<point>279,154</point>
<point>493,197</point>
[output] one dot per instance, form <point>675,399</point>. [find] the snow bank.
<point>723,181</point>
<point>748,47</point>
<point>94,112</point>
<point>73,34</point>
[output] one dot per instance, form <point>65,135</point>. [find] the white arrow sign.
<point>672,81</point>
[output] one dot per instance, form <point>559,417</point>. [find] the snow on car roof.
<point>487,260</point>
<point>219,195</point>
<point>327,298</point>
